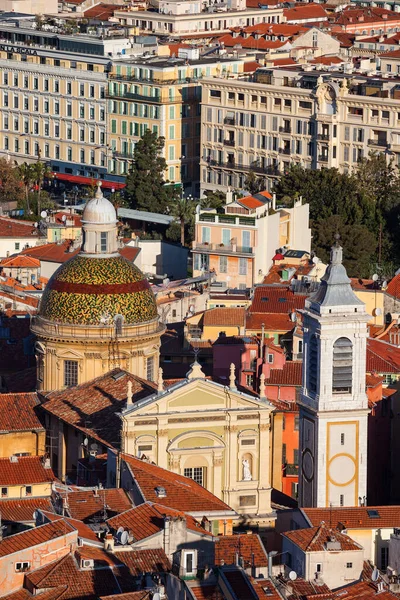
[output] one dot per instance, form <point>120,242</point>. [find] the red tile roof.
<point>60,253</point>
<point>86,505</point>
<point>101,11</point>
<point>83,530</point>
<point>18,229</point>
<point>373,380</point>
<point>250,202</point>
<point>18,412</point>
<point>182,493</point>
<point>276,271</point>
<point>145,561</point>
<point>307,12</point>
<point>21,511</point>
<point>142,595</point>
<point>58,217</point>
<point>27,470</point>
<point>291,374</point>
<point>100,401</point>
<point>248,547</point>
<point>251,66</point>
<point>20,261</point>
<point>272,322</point>
<point>249,42</point>
<point>314,539</point>
<point>370,15</point>
<point>393,288</point>
<point>356,517</point>
<point>382,357</point>
<point>129,252</point>
<point>228,317</point>
<point>34,537</point>
<point>147,519</point>
<point>363,590</point>
<point>206,591</point>
<point>264,588</point>
<point>53,594</point>
<point>274,299</point>
<point>327,60</point>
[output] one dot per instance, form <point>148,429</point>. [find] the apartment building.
<point>238,246</point>
<point>163,95</point>
<point>181,18</point>
<point>278,117</point>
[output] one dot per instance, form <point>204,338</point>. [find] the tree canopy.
<point>363,207</point>
<point>146,187</point>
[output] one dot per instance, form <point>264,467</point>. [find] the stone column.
<point>162,443</point>
<point>217,475</point>
<point>264,468</point>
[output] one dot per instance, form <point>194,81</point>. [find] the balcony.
<point>284,151</point>
<point>378,142</point>
<point>285,130</point>
<point>229,142</point>
<point>224,248</point>
<point>323,137</point>
<point>290,470</point>
<point>229,121</point>
<point>323,158</point>
<point>127,155</point>
<point>249,366</point>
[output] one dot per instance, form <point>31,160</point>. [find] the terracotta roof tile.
<point>83,530</point>
<point>98,401</point>
<point>86,505</point>
<point>60,253</point>
<point>291,374</point>
<point>102,11</point>
<point>314,539</point>
<point>358,517</point>
<point>224,317</point>
<point>368,14</point>
<point>249,42</point>
<point>305,11</point>
<point>271,322</point>
<point>382,357</point>
<point>18,412</point>
<point>363,590</point>
<point>20,260</point>
<point>393,288</point>
<point>249,547</point>
<point>147,519</point>
<point>300,587</point>
<point>142,595</point>
<point>26,471</point>
<point>58,218</point>
<point>145,561</point>
<point>206,591</point>
<point>129,252</point>
<point>280,300</point>
<point>34,537</point>
<point>21,511</point>
<point>264,588</point>
<point>18,229</point>
<point>182,493</point>
<point>53,594</point>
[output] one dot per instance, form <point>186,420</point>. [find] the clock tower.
<point>334,404</point>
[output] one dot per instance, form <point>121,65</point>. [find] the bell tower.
<point>334,404</point>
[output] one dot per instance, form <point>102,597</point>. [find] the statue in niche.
<point>246,470</point>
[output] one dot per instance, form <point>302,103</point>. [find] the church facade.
<point>334,405</point>
<point>215,434</point>
<point>97,312</point>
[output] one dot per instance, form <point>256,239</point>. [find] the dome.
<point>91,291</point>
<point>99,210</point>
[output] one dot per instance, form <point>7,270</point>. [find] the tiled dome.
<point>91,291</point>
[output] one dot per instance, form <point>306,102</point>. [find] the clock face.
<point>308,465</point>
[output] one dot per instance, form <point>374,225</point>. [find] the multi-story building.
<point>278,117</point>
<point>181,18</point>
<point>163,95</point>
<point>225,244</point>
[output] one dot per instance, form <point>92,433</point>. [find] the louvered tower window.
<point>342,375</point>
<point>312,363</point>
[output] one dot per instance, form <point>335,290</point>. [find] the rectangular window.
<point>341,500</point>
<point>226,237</point>
<point>205,235</point>
<point>70,373</point>
<point>16,245</point>
<point>342,439</point>
<point>69,88</point>
<point>349,565</point>
<point>319,568</point>
<point>4,492</point>
<point>103,241</point>
<point>223,264</point>
<point>150,368</point>
<point>195,473</point>
<point>28,490</point>
<point>189,563</point>
<point>242,266</point>
<point>296,423</point>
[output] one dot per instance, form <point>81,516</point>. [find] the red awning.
<point>89,181</point>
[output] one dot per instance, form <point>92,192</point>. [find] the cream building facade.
<point>97,312</point>
<point>334,405</point>
<point>281,117</point>
<point>216,435</point>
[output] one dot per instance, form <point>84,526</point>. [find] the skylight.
<point>373,514</point>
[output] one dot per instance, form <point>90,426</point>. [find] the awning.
<point>89,181</point>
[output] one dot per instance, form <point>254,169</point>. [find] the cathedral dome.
<point>98,283</point>
<point>92,291</point>
<point>99,210</point>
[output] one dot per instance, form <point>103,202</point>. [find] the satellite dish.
<point>316,260</point>
<point>35,225</point>
<point>64,218</point>
<point>94,446</point>
<point>377,312</point>
<point>156,596</point>
<point>124,537</point>
<point>292,575</point>
<point>43,214</point>
<point>375,277</point>
<point>35,515</point>
<point>120,530</point>
<point>375,574</point>
<point>293,317</point>
<point>85,442</point>
<point>384,285</point>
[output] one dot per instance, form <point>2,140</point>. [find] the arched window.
<point>312,363</point>
<point>342,370</point>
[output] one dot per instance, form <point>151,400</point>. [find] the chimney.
<point>229,196</point>
<point>274,201</point>
<point>129,396</point>
<point>109,542</point>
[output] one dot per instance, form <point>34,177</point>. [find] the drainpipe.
<point>262,342</point>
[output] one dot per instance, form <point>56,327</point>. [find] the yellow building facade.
<point>213,434</point>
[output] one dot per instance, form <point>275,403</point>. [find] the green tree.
<point>145,184</point>
<point>253,183</point>
<point>25,173</point>
<point>40,171</point>
<point>183,209</point>
<point>213,199</point>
